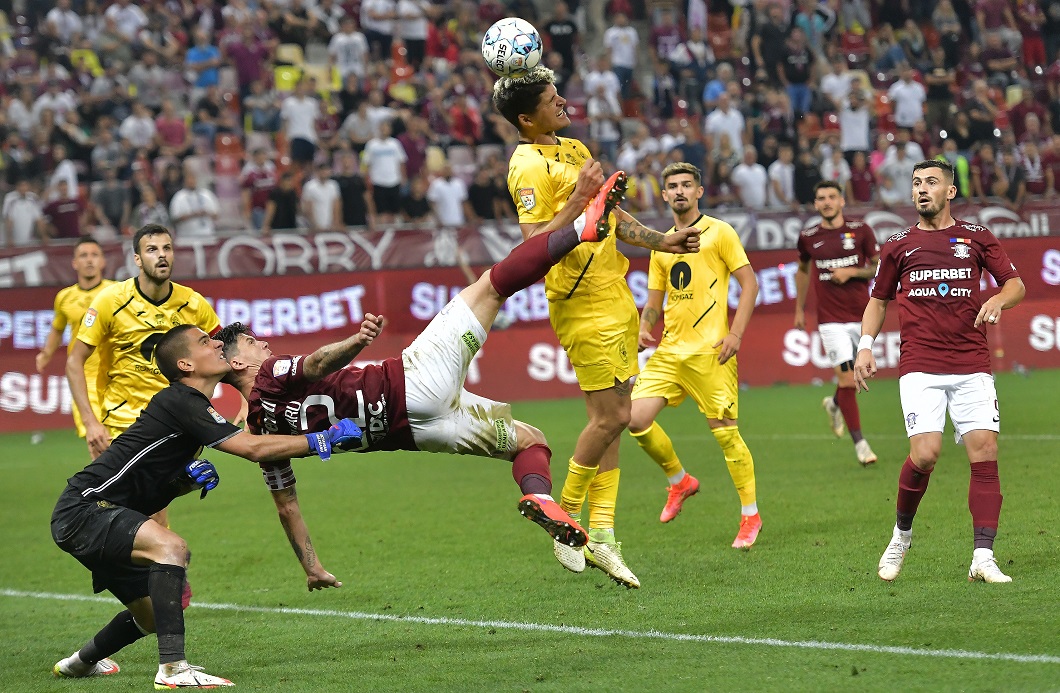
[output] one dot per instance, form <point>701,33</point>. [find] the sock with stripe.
<point>530,470</point>
<point>984,502</point>
<point>603,497</point>
<point>576,486</point>
<point>740,463</point>
<point>912,485</point>
<point>654,441</point>
<point>530,261</point>
<point>847,401</point>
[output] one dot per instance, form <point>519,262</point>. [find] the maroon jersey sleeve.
<point>995,260</point>
<point>887,272</point>
<point>804,254</point>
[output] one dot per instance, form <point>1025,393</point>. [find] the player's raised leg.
<point>530,468</point>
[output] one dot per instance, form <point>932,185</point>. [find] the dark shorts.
<point>100,535</point>
<point>387,200</point>
<point>302,151</point>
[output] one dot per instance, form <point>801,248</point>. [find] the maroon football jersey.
<point>851,245</point>
<point>283,401</point>
<point>935,277</point>
<point>260,182</point>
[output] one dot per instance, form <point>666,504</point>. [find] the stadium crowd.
<point>321,114</point>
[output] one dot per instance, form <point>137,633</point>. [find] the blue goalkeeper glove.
<point>342,433</point>
<point>204,474</point>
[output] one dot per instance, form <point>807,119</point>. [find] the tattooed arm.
<point>334,357</point>
<point>633,232</point>
<point>286,500</point>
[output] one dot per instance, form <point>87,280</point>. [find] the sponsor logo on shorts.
<point>527,197</point>
<point>282,367</point>
<point>502,435</point>
<point>90,317</point>
<point>216,417</point>
<point>910,421</point>
<point>469,339</point>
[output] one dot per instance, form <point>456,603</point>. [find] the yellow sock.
<point>738,459</point>
<point>654,441</point>
<point>576,486</point>
<point>603,496</point>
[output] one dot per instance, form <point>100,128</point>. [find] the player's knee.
<point>640,421</point>
<point>529,436</point>
<point>924,457</point>
<point>174,551</point>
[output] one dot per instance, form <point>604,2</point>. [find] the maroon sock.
<point>530,261</point>
<point>912,483</point>
<point>530,469</point>
<point>847,400</point>
<point>984,501</point>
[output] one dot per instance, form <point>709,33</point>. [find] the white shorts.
<point>445,417</point>
<point>840,340</point>
<point>971,400</point>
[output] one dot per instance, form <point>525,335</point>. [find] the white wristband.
<point>866,342</point>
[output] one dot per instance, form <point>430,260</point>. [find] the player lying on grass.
<point>417,401</point>
<point>102,517</point>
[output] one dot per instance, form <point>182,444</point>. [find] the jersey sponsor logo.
<point>90,317</point>
<point>910,252</point>
<point>940,274</point>
<point>848,261</point>
<point>216,417</point>
<point>942,290</point>
<point>527,197</point>
<point>280,368</point>
<point>471,341</point>
<point>898,236</point>
<point>962,251</point>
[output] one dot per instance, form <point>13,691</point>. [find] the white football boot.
<point>188,676</point>
<point>865,454</point>
<point>835,416</point>
<point>984,567</point>
<point>570,557</point>
<point>607,556</point>
<point>894,555</point>
<point>73,668</point>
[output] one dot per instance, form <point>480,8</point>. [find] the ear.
<point>137,260</point>
<point>185,365</point>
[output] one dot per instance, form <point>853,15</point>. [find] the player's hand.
<point>342,433</point>
<point>990,312</point>
<point>320,580</point>
<point>841,275</point>
<point>681,241</point>
<point>97,437</point>
<point>729,346</point>
<point>864,368</point>
<point>371,327</point>
<point>800,319</point>
<point>204,475</point>
<point>644,340</point>
<point>590,180</point>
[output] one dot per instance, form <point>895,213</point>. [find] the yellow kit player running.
<point>590,306</point>
<point>71,304</point>
<point>697,354</point>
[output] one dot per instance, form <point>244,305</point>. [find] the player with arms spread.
<point>844,254</point>
<point>590,306</point>
<point>101,518</point>
<point>417,401</point>
<point>71,304</point>
<point>933,270</point>
<point>697,355</point>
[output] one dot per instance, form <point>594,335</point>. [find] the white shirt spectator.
<point>384,159</point>
<point>130,19</point>
<point>913,151</point>
<point>837,87</point>
<point>751,182</point>
<point>20,216</point>
<point>900,170</point>
<point>64,171</point>
<point>836,171</point>
<point>603,112</point>
<point>138,132</point>
<point>20,117</point>
<point>631,153</point>
<point>412,19</point>
<point>783,175</point>
<point>908,99</point>
<point>383,26</point>
<point>854,134</point>
<point>190,202</point>
<point>330,17</point>
<point>447,196</point>
<point>320,197</point>
<point>730,122</point>
<point>377,115</point>
<point>612,87</point>
<point>623,43</point>
<point>66,23</point>
<point>299,117</point>
<point>59,104</point>
<point>350,52</point>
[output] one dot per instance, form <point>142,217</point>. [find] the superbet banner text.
<point>296,314</point>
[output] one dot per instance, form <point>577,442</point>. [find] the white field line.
<point>1031,437</point>
<point>576,630</point>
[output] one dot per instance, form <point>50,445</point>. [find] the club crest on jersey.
<point>282,367</point>
<point>90,317</point>
<point>962,251</point>
<point>216,417</point>
<point>848,241</point>
<point>526,196</point>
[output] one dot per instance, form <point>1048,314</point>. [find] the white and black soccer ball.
<point>512,47</point>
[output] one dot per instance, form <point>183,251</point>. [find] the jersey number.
<point>329,404</point>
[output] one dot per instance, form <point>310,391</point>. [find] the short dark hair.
<point>229,336</point>
<point>171,348</point>
<point>84,240</point>
<point>945,166</point>
<point>827,184</point>
<point>516,96</point>
<point>148,230</point>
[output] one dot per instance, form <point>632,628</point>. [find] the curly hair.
<point>229,336</point>
<point>516,96</point>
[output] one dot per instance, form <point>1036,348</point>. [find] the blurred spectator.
<point>940,82</point>
<point>644,188</point>
<point>249,56</point>
<point>995,16</point>
<point>835,168</point>
<point>890,192</point>
<point>322,200</point>
<point>562,34</point>
<point>751,180</point>
<point>64,215</point>
<point>907,97</point>
<point>110,201</point>
<point>767,44</point>
<point>835,85</point>
<point>1032,130</point>
<point>378,112</point>
<point>74,136</point>
<point>856,16</point>
<point>725,119</point>
<point>782,179</point>
<point>54,99</point>
<point>449,198</point>
<point>622,41</point>
<point>603,75</point>
<point>465,121</point>
<point>377,23</point>
<point>208,111</point>
<point>1029,19</point>
<point>673,137</point>
<point>299,113</point>
<point>282,208</point>
<point>665,36</point>
<point>814,20</point>
<point>106,154</point>
<point>717,86</point>
<point>202,62</point>
<point>294,24</point>
<point>64,171</point>
<point>173,138</point>
<point>263,105</point>
<point>1039,177</point>
<point>913,43</point>
<point>902,156</point>
<point>413,26</point>
<point>887,54</point>
<point>796,70</point>
<point>664,90</point>
<point>257,180</point>
<point>1011,180</point>
<point>138,131</point>
<point>129,19</point>
<point>727,154</point>
<point>62,23</point>
<point>348,49</point>
<point>22,215</point>
<point>150,210</point>
<point>149,79</point>
<point>721,194</point>
<point>20,111</point>
<point>854,122</point>
<point>604,115</point>
<point>485,197</point>
<point>639,145</point>
<point>384,161</point>
<point>982,111</point>
<point>999,60</point>
<point>194,208</point>
<point>984,173</point>
<point>691,61</point>
<point>328,15</point>
<point>356,201</point>
<point>1027,105</point>
<point>415,140</point>
<point>861,180</point>
<point>807,176</point>
<point>961,168</point>
<point>415,207</point>
<point>948,26</point>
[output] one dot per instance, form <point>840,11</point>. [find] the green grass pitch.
<point>430,547</point>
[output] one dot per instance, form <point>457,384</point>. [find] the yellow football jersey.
<point>540,179</point>
<point>696,288</point>
<point>71,304</point>
<point>125,326</point>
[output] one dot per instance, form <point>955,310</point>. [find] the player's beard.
<point>158,275</point>
<point>680,206</point>
<point>932,209</point>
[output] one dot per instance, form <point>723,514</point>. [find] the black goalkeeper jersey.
<point>143,469</point>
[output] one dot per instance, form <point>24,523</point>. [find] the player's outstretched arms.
<point>635,233</point>
<point>1010,295</point>
<point>294,526</point>
<point>336,356</point>
<point>273,448</point>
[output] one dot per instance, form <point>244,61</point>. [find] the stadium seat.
<point>327,79</point>
<point>856,48</point>
<point>434,159</point>
<point>228,144</point>
<point>259,140</point>
<point>883,104</point>
<point>289,54</point>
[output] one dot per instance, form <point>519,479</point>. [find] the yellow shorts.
<point>599,332</point>
<point>714,388</point>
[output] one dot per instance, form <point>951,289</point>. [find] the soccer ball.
<point>512,47</point>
